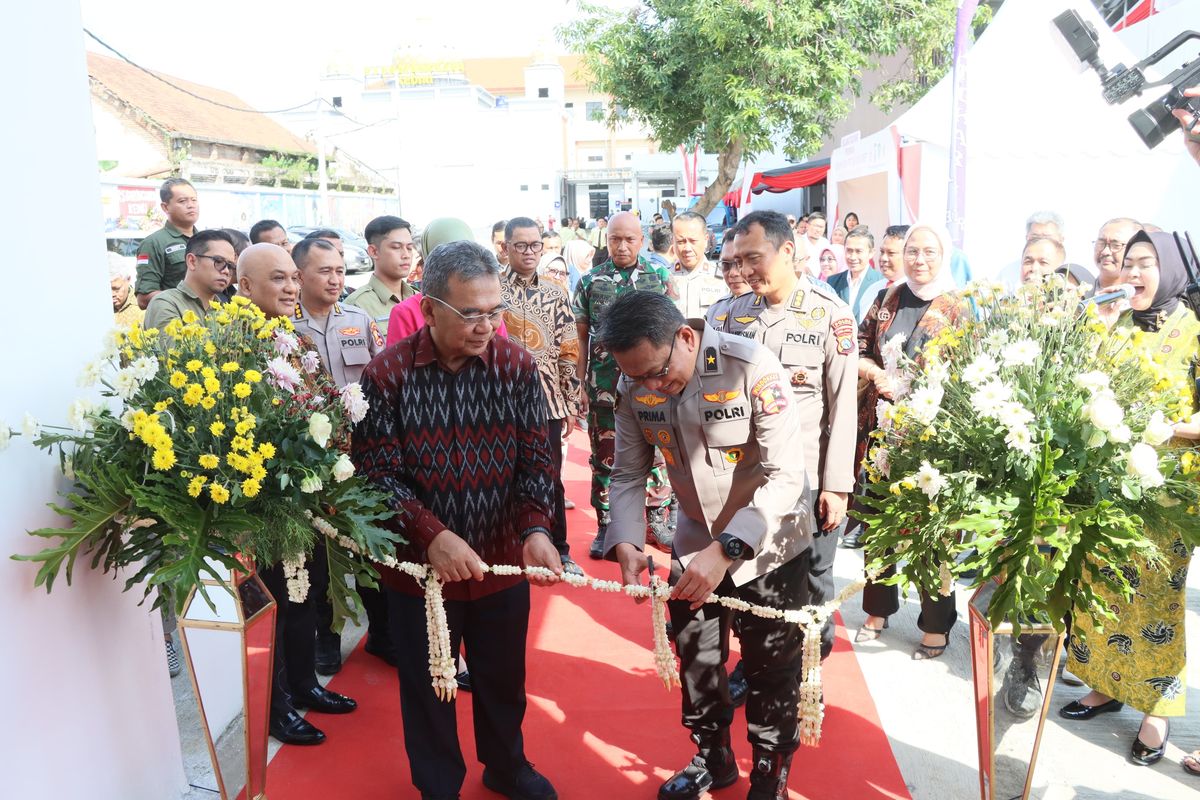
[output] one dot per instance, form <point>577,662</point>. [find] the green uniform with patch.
<point>161,260</point>
<point>596,291</point>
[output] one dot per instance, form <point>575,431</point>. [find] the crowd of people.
<point>695,382</point>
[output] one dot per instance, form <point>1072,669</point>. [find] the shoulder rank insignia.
<point>757,301</point>
<point>710,359</point>
<point>797,300</point>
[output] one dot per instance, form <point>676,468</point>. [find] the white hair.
<point>1045,218</point>
<point>118,267</point>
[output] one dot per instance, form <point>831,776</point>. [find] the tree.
<point>735,76</point>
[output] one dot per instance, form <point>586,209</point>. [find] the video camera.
<point>1154,122</point>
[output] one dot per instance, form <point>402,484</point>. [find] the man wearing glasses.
<point>211,266</point>
<point>457,435</point>
<point>539,319</point>
<point>719,409</point>
<point>1109,249</point>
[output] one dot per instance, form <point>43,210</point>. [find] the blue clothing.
<point>840,283</point>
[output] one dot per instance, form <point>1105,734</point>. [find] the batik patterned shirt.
<point>539,318</point>
<point>464,451</point>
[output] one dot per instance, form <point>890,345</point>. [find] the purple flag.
<point>956,203</point>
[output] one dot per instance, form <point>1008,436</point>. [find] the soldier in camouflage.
<point>624,272</point>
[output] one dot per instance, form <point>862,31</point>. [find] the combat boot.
<point>768,779</point>
<point>713,767</point>
<point>658,527</point>
<point>596,551</point>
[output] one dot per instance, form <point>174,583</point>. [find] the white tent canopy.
<point>1039,137</point>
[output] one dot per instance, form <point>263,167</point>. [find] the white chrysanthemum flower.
<point>343,468</point>
<point>77,415</point>
<point>892,350</point>
<point>925,404</point>
<point>320,428</point>
<point>996,340</point>
<point>990,397</point>
<point>30,427</point>
<point>310,362</point>
<point>980,370</point>
<point>126,384</point>
<point>1104,412</point>
<point>112,344</point>
<point>282,375</point>
<point>1120,434</point>
<point>1049,320</point>
<point>1143,465</point>
<point>285,343</point>
<point>937,373</point>
<point>901,385</point>
<point>930,480</point>
<point>1021,353</point>
<point>1094,381</point>
<point>1014,415</point>
<point>127,419</point>
<point>311,483</point>
<point>5,436</point>
<point>89,376</point>
<point>1019,438</point>
<point>144,368</point>
<point>881,461</point>
<point>1158,430</point>
<point>353,401</point>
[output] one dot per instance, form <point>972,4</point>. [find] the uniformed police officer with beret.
<point>346,338</point>
<point>813,333</point>
<point>719,409</point>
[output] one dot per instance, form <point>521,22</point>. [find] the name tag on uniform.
<point>722,414</point>
<point>174,248</point>
<point>811,338</point>
<point>651,416</point>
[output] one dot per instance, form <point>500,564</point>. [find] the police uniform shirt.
<point>719,310</point>
<point>346,340</point>
<point>814,336</point>
<point>697,290</point>
<point>161,260</point>
<point>727,439</point>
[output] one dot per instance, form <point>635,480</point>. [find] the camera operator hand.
<point>1190,131</point>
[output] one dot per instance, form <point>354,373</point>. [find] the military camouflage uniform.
<point>596,290</point>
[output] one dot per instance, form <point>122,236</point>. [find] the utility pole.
<point>322,173</point>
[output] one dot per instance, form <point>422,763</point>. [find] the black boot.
<point>596,551</point>
<point>713,767</point>
<point>768,779</point>
<point>658,528</point>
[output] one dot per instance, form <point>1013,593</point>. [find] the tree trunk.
<point>727,164</point>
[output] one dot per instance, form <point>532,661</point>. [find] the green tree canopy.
<point>737,76</point>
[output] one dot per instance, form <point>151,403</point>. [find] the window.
<point>595,110</point>
<point>524,187</point>
<point>595,158</point>
<point>545,187</point>
<point>629,156</point>
<point>568,105</point>
<point>598,204</point>
<point>543,92</point>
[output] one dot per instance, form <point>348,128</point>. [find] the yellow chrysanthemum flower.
<point>230,366</point>
<point>163,459</point>
<point>194,365</point>
<point>239,443</point>
<point>252,376</point>
<point>190,318</point>
<point>244,427</point>
<point>193,395</point>
<point>212,385</point>
<point>208,403</point>
<point>209,461</point>
<point>161,405</point>
<point>218,493</point>
<point>210,348</point>
<point>196,485</point>
<point>241,390</point>
<point>258,472</point>
<point>266,450</point>
<point>251,488</point>
<point>191,428</point>
<point>178,380</point>
<point>217,428</point>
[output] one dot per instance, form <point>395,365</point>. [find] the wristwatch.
<point>734,547</point>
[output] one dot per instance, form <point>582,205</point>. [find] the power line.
<point>202,98</point>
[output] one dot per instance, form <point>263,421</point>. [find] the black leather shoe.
<point>852,539</point>
<point>329,654</point>
<point>295,729</point>
<point>382,648</point>
<point>1078,711</point>
<point>1144,755</point>
<point>695,779</point>
<point>739,687</point>
<point>526,784</point>
<point>596,550</point>
<point>324,701</point>
<point>463,679</point>
<point>768,779</point>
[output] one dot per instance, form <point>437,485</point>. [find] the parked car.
<point>354,247</point>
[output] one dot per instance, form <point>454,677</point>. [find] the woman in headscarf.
<point>832,260</point>
<point>578,255</point>
<point>913,311</point>
<point>1139,660</point>
<point>553,267</point>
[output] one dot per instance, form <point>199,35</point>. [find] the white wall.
<point>87,709</point>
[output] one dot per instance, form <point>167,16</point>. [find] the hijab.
<point>839,259</point>
<point>443,230</point>
<point>578,255</point>
<point>1172,279</point>
<point>943,279</point>
<point>1080,273</point>
<point>554,261</point>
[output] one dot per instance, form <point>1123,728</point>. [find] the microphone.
<point>1112,294</point>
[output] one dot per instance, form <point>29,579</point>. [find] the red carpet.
<point>599,723</point>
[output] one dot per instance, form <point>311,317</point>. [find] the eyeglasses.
<point>1109,244</point>
<point>666,367</point>
<point>220,264</point>
<point>929,253</point>
<point>491,317</point>
<point>527,247</point>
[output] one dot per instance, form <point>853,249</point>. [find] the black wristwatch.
<point>734,547</point>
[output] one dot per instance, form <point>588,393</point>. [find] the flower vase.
<point>229,647</point>
<point>1009,721</point>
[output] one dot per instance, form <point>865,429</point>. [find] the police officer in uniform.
<point>813,333</point>
<point>161,255</point>
<point>696,281</point>
<point>719,409</point>
<point>346,338</point>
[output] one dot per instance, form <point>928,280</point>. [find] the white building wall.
<point>88,712</point>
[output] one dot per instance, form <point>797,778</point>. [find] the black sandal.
<point>925,652</point>
<point>866,634</point>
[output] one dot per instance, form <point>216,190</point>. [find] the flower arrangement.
<point>228,440</point>
<point>1028,445</point>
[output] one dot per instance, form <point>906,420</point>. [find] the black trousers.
<point>558,532</point>
<point>771,651</point>
<point>938,614</point>
<point>820,579</point>
<point>494,629</point>
<point>295,643</point>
